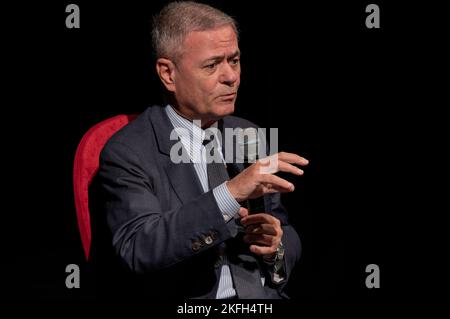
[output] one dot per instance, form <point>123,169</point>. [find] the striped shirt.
<point>192,136</point>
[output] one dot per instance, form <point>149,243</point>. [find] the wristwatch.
<point>277,262</point>
<point>279,254</point>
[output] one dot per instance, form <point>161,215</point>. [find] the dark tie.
<point>216,169</point>
<point>245,273</point>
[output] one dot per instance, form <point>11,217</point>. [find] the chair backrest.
<point>85,168</point>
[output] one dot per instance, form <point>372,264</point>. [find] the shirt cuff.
<point>226,202</point>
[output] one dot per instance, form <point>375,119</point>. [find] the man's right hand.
<point>259,179</point>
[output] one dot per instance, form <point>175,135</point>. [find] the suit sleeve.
<point>144,236</point>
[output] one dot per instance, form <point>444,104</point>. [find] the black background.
<point>339,93</point>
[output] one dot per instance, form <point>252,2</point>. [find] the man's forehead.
<point>220,39</point>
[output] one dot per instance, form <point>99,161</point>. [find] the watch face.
<point>280,251</point>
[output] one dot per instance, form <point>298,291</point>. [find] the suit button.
<point>196,245</point>
<point>208,240</point>
<point>213,235</point>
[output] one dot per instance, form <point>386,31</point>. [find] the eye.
<point>235,61</point>
<point>211,66</point>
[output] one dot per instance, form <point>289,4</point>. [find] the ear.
<point>166,71</point>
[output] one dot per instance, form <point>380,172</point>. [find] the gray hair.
<point>177,19</point>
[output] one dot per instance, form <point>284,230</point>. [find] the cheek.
<point>209,89</point>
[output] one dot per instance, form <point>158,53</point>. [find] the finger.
<point>256,219</point>
<point>292,158</point>
<point>243,212</point>
<point>271,189</point>
<point>256,229</point>
<point>289,168</point>
<point>273,165</point>
<point>277,183</point>
<point>262,250</point>
<point>265,240</point>
<point>261,218</point>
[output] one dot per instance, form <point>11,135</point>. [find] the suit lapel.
<point>182,176</point>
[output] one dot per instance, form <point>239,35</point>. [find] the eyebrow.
<point>221,57</point>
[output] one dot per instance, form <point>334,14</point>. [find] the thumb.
<point>243,212</point>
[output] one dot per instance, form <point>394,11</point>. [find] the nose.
<point>229,75</point>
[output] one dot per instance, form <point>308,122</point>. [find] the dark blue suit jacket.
<point>159,217</point>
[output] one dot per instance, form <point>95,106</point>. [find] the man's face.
<point>207,75</point>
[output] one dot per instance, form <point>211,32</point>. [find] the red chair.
<point>86,167</point>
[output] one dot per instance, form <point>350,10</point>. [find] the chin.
<point>223,109</point>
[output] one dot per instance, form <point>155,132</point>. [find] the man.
<point>180,225</point>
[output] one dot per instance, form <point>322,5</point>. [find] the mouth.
<point>227,97</point>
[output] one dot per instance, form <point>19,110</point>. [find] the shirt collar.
<point>192,127</point>
<point>190,132</point>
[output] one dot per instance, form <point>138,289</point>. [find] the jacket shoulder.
<point>135,134</point>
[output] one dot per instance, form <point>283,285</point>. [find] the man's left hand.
<point>262,231</point>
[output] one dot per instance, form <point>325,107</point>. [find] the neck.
<point>205,123</point>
